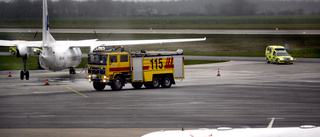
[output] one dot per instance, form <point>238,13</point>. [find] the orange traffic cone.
<point>47,81</point>
<point>10,73</point>
<point>218,72</point>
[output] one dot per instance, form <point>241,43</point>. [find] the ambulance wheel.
<point>166,82</point>
<point>268,61</point>
<point>99,86</point>
<point>136,85</point>
<point>117,84</point>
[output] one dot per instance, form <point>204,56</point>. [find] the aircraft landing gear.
<point>72,71</point>
<point>24,72</point>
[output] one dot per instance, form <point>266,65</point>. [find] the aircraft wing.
<point>93,44</point>
<point>29,44</point>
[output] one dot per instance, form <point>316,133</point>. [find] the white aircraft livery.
<point>248,132</point>
<point>302,131</point>
<point>59,55</point>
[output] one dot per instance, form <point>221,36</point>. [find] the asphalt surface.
<point>166,31</point>
<point>260,59</point>
<point>225,58</point>
<point>245,95</point>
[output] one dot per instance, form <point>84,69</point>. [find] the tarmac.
<point>246,94</point>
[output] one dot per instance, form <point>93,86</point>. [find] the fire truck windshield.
<point>97,59</point>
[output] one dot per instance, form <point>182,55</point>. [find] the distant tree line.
<point>109,8</point>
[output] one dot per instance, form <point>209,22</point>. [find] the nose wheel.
<point>24,72</point>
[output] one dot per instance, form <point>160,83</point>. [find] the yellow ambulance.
<point>278,55</point>
<point>13,50</point>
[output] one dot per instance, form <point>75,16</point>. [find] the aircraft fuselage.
<point>56,57</point>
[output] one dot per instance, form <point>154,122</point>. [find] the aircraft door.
<point>48,58</point>
<point>64,59</point>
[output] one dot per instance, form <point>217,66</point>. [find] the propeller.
<point>35,35</point>
<point>109,35</point>
<point>23,38</point>
<point>95,33</point>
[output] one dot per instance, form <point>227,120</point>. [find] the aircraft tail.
<point>46,36</point>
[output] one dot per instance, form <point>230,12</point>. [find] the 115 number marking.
<point>158,63</point>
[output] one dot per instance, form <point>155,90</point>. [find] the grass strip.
<point>195,62</point>
<point>14,63</point>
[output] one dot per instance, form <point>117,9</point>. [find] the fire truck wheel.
<point>99,86</point>
<point>154,84</point>
<point>117,84</point>
<point>166,82</point>
<point>136,85</point>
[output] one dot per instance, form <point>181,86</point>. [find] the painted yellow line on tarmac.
<point>73,90</point>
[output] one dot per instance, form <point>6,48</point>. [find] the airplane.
<point>302,131</point>
<point>59,55</point>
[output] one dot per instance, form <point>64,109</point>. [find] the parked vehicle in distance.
<point>13,50</point>
<point>278,55</point>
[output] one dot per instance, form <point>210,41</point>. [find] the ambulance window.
<point>113,59</point>
<point>274,53</point>
<point>124,58</point>
<point>269,50</point>
<point>283,54</point>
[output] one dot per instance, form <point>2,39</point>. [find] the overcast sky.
<point>152,0</point>
<point>113,0</point>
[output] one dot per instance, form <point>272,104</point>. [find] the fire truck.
<point>149,68</point>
